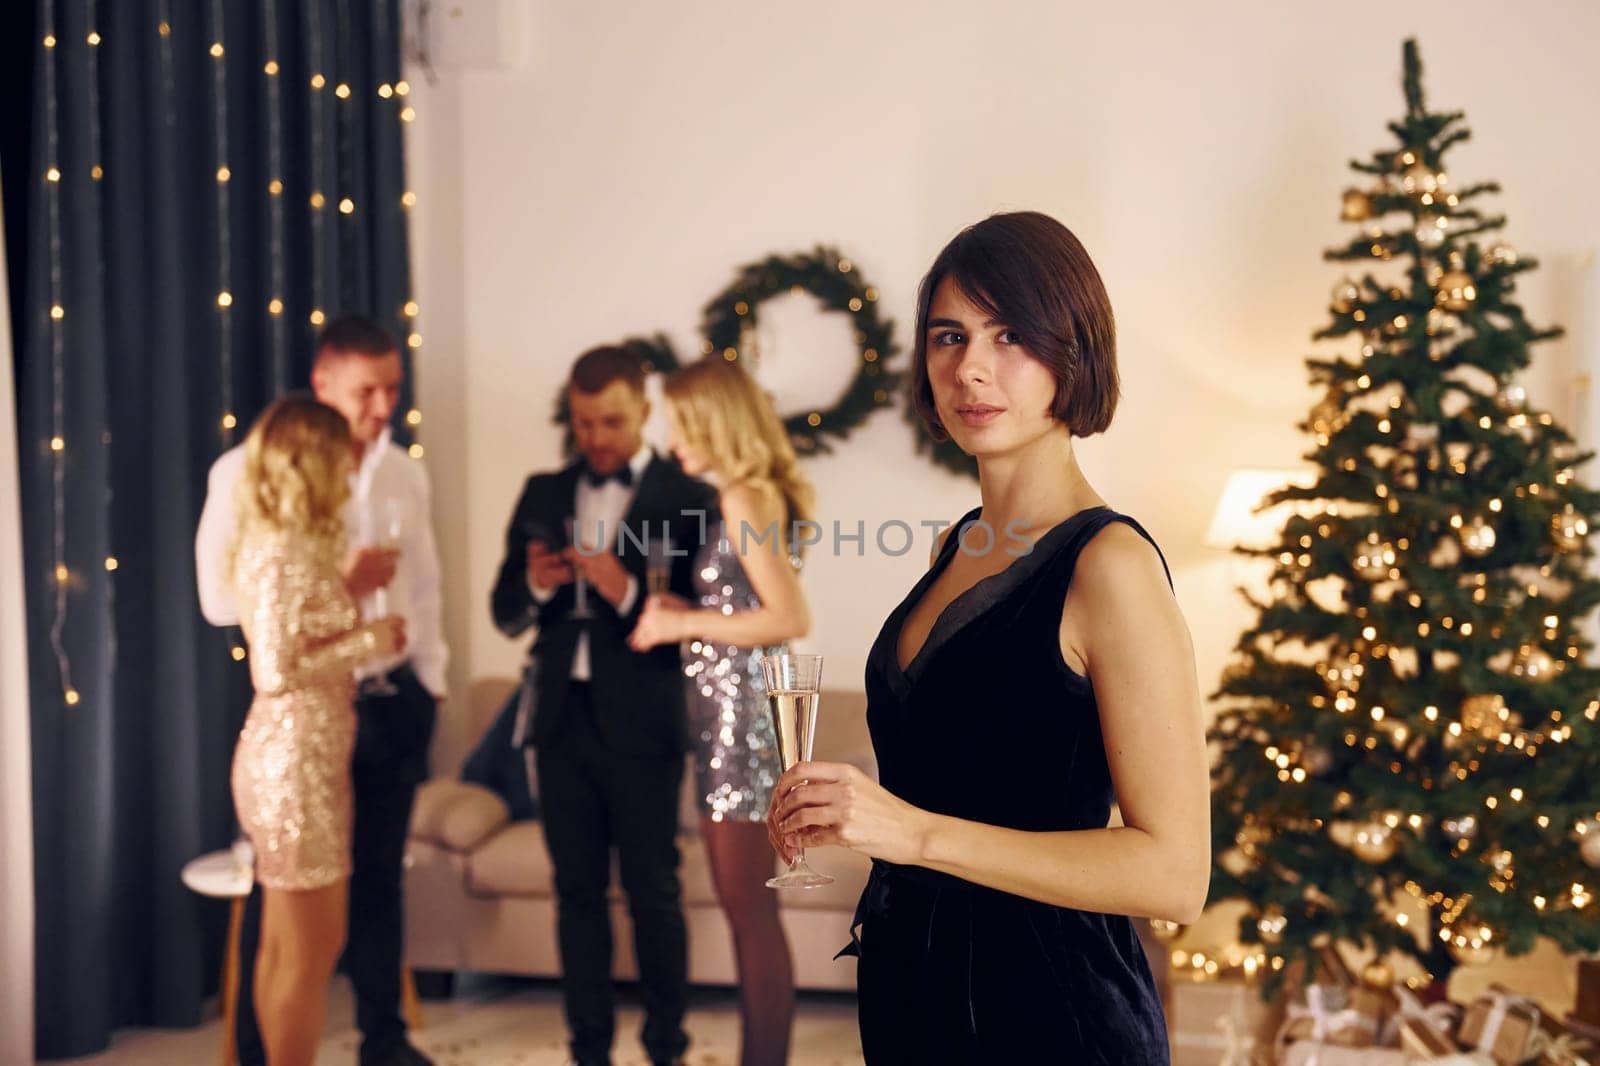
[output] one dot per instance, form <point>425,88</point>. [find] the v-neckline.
<point>949,621</point>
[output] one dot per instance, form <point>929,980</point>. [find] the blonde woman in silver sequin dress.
<point>725,430</point>
<point>291,769</point>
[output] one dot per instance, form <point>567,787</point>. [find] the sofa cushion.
<point>456,815</point>
<point>514,862</point>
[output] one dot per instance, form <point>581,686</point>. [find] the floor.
<point>518,1023</point>
<point>508,1022</point>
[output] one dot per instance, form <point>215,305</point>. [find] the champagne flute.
<point>580,584</point>
<point>386,518</point>
<point>658,568</point>
<point>794,685</point>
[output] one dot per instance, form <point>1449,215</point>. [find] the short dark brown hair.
<point>356,335</point>
<point>1028,270</point>
<point>599,367</point>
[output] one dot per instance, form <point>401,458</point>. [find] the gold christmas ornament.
<point>1512,397</point>
<point>1328,415</point>
<point>1456,291</point>
<point>1483,713</point>
<point>1271,924</point>
<point>1472,949</point>
<point>1378,976</point>
<point>1418,179</point>
<point>1235,861</point>
<point>1589,848</point>
<point>1430,229</point>
<point>1345,295</point>
<point>1533,663</point>
<point>1477,537</point>
<point>1356,206</point>
<point>1568,528</point>
<point>1374,558</point>
<point>1373,842</point>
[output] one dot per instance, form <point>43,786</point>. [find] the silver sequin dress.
<point>730,727</point>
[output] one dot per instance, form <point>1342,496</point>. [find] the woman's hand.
<point>820,803</point>
<point>663,620</point>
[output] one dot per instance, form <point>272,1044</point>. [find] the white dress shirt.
<point>386,473</point>
<point>599,512</point>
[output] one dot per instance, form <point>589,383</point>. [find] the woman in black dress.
<point>1039,672</point>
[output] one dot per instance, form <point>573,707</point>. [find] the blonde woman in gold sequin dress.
<point>291,770</point>
<point>725,430</point>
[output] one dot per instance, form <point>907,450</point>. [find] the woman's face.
<point>694,464</point>
<point>990,392</point>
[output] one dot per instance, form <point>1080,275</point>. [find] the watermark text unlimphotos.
<point>894,537</point>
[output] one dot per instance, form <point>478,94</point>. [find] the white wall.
<point>610,175</point>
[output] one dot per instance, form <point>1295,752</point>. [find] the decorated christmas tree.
<point>1408,758</point>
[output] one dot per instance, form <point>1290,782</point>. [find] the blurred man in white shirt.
<point>392,568</point>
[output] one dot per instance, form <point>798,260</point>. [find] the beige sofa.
<point>478,886</point>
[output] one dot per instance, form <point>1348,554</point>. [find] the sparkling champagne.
<point>657,578</point>
<point>794,719</point>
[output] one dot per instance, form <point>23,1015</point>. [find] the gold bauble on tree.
<point>1378,975</point>
<point>1472,948</point>
<point>1589,847</point>
<point>1456,291</point>
<point>1356,206</point>
<point>1374,557</point>
<point>1568,528</point>
<point>1485,713</point>
<point>1345,295</point>
<point>1419,178</point>
<point>1533,663</point>
<point>1271,924</point>
<point>1512,397</point>
<point>1373,842</point>
<point>1478,537</point>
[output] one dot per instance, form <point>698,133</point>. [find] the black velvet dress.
<point>988,723</point>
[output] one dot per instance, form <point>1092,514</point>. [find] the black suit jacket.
<point>638,698</point>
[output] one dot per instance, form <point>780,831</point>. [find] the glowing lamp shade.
<point>1237,523</point>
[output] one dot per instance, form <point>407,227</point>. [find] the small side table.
<point>222,875</point>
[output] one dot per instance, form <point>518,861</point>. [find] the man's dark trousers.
<point>390,761</point>
<point>595,798</point>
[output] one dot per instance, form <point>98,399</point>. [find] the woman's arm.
<point>1122,621</point>
<point>753,520</point>
<point>273,589</point>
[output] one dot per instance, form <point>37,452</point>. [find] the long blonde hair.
<point>296,473</point>
<point>723,414</point>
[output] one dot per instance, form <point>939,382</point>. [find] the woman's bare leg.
<point>741,861</point>
<point>302,933</point>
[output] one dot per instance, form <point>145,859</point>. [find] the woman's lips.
<point>978,414</point>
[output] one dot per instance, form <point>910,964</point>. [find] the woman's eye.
<point>947,338</point>
<point>1010,336</point>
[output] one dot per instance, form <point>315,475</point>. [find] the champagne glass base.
<point>800,876</point>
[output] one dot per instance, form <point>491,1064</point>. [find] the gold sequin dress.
<point>291,769</point>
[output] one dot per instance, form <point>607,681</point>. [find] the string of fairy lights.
<point>322,181</point>
<point>58,373</point>
<point>275,231</point>
<point>219,90</point>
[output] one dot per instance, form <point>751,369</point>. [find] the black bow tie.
<point>623,476</point>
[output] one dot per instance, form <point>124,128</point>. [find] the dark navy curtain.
<point>196,185</point>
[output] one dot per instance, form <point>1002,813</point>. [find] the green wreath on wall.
<point>730,319</point>
<point>656,355</point>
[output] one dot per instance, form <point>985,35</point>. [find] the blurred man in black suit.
<point>607,724</point>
